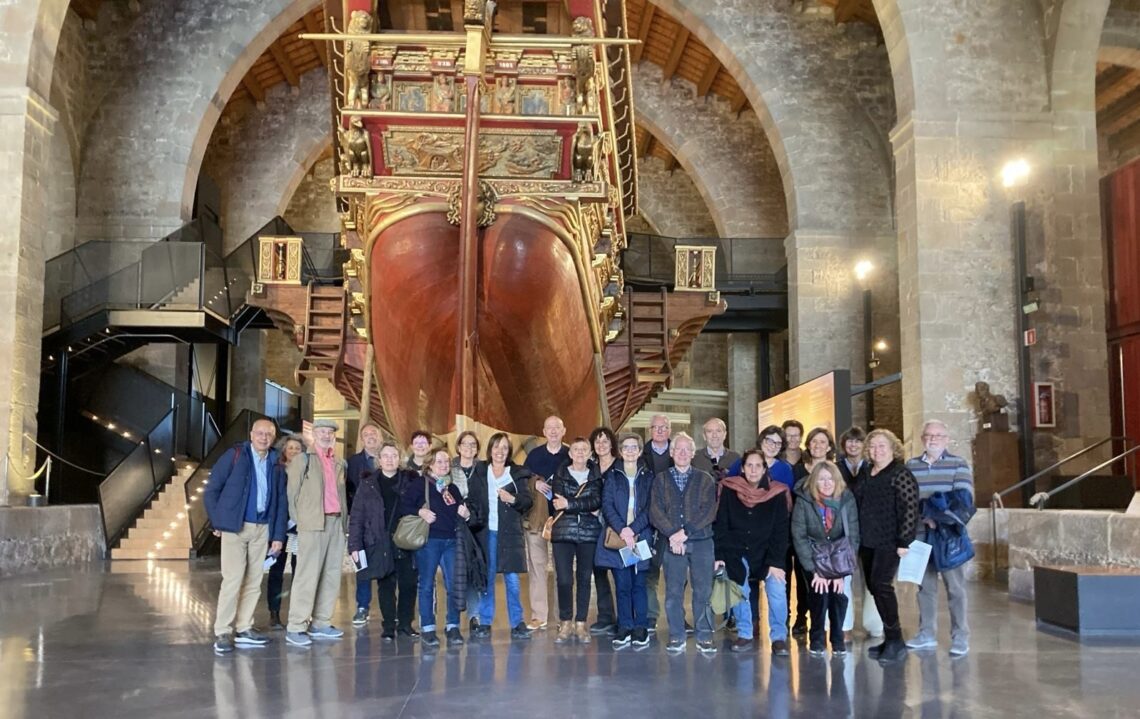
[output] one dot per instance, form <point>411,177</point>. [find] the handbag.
<point>834,559</point>
<point>613,540</point>
<point>548,527</point>
<point>412,529</point>
<point>951,546</point>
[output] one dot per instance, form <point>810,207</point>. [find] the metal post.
<point>1025,389</point>
<point>868,357</point>
<point>47,480</point>
<point>765,368</point>
<point>61,406</point>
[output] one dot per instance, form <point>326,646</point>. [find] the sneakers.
<point>893,651</point>
<point>922,640</point>
<point>640,638</point>
<point>388,635</point>
<point>817,651</point>
<point>841,652</point>
<point>297,639</point>
<point>959,648</point>
<point>623,639</point>
<point>454,638</point>
<point>472,623</point>
<point>329,632</point>
<point>706,647</point>
<point>481,632</point>
<point>520,631</point>
<point>598,628</point>
<point>688,628</point>
<point>250,638</point>
<point>534,625</point>
<point>223,644</point>
<point>779,648</point>
<point>739,645</point>
<point>408,631</point>
<point>360,618</point>
<point>275,621</point>
<point>429,640</point>
<point>675,646</point>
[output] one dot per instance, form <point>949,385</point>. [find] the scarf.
<point>751,496</point>
<point>827,508</point>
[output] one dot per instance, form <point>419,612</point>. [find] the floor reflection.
<point>133,641</point>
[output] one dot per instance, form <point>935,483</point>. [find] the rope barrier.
<point>36,475</point>
<point>61,459</point>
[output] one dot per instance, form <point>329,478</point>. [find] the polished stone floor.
<point>133,640</point>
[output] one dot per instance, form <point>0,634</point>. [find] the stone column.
<point>743,388</point>
<point>956,263</point>
<point>247,378</point>
<point>27,123</point>
<point>824,310</point>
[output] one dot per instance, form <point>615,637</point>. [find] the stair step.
<point>152,553</point>
<point>644,377</point>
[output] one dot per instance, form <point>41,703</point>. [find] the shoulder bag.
<point>834,559</point>
<point>548,528</point>
<point>412,530</point>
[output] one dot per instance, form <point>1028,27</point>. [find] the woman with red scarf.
<point>751,538</point>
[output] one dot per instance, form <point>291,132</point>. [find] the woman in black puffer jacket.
<point>577,489</point>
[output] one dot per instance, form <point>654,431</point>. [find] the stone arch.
<point>141,184</point>
<point>740,179</point>
<point>259,160</point>
<point>831,165</point>
<point>691,165</point>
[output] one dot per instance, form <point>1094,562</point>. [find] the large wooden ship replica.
<point>485,180</point>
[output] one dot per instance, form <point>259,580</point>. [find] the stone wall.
<point>671,202</point>
<point>313,207</point>
<point>36,538</point>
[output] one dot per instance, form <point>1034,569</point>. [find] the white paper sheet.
<point>912,567</point>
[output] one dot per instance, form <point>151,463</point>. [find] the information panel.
<point>822,402</point>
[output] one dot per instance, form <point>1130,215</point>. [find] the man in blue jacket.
<point>246,503</point>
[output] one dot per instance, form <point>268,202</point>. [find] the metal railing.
<point>757,262</point>
<point>1041,498</point>
<point>136,479</point>
<point>237,431</point>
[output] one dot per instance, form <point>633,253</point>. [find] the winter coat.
<point>445,504</point>
<point>888,508</point>
<point>511,543</point>
<point>758,534</point>
<point>470,569</point>
<point>854,481</point>
<point>615,504</point>
<point>368,518</point>
<point>807,525</point>
<point>579,523</point>
<point>359,467</point>
<point>232,479</point>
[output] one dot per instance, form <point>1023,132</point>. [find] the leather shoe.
<point>780,648</point>
<point>408,632</point>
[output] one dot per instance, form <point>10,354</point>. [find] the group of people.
<point>603,507</point>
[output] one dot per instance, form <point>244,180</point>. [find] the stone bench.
<point>1088,601</point>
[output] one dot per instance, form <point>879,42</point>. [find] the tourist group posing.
<point>824,518</point>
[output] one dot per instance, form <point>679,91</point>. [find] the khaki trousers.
<point>537,560</point>
<point>316,582</point>
<point>243,554</point>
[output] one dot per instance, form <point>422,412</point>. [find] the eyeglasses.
<point>630,448</point>
<point>936,436</point>
<point>771,442</point>
<point>468,444</point>
<point>659,427</point>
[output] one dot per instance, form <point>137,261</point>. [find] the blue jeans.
<point>742,610</point>
<point>436,553</point>
<point>632,598</point>
<point>511,580</point>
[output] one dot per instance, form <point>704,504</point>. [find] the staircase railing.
<point>1040,499</point>
<point>652,257</point>
<point>133,483</point>
<point>237,431</point>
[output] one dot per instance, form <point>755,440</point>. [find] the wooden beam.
<point>647,148</point>
<point>250,83</point>
<point>711,70</point>
<point>643,24</point>
<point>740,100</point>
<point>1118,110</point>
<point>671,164</point>
<point>1110,80</point>
<point>1126,139</point>
<point>284,64</point>
<point>845,10</point>
<point>677,53</point>
<point>314,25</point>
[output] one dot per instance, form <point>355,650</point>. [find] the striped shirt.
<point>946,474</point>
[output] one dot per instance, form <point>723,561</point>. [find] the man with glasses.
<point>421,445</point>
<point>682,507</point>
<point>318,503</point>
<point>543,461</point>
<point>714,457</point>
<point>946,496</point>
